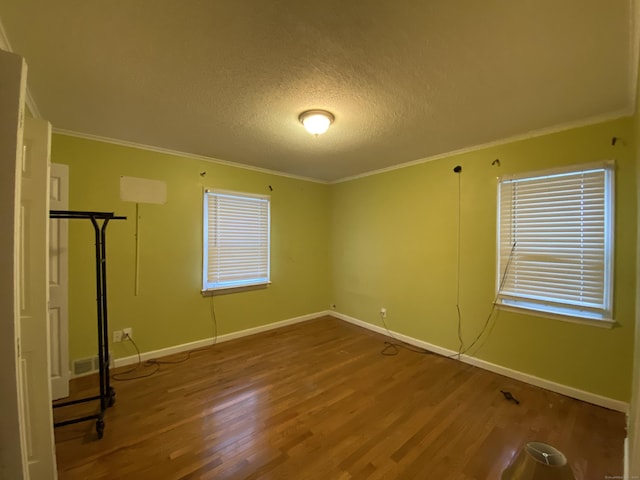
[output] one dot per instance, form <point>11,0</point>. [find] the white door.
<point>34,299</point>
<point>26,430</point>
<point>59,281</point>
<point>13,449</point>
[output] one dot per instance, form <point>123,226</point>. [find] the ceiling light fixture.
<point>316,121</point>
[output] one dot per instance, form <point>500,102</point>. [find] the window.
<point>236,240</point>
<point>555,241</point>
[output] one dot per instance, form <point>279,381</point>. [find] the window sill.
<point>604,323</point>
<point>227,290</point>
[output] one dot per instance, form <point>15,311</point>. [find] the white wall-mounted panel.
<point>143,190</point>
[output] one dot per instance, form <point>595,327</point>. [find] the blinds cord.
<point>460,339</point>
<point>493,307</point>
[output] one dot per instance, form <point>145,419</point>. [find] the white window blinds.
<point>236,240</point>
<point>556,242</point>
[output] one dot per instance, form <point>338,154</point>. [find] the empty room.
<point>303,240</point>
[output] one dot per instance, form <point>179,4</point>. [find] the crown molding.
<point>627,112</point>
<point>192,156</point>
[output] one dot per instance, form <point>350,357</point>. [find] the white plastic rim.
<point>543,453</point>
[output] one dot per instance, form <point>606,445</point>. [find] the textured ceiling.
<point>405,79</point>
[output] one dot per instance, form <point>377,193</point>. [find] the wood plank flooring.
<point>317,400</point>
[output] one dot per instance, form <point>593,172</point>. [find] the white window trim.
<point>504,302</point>
<point>209,288</point>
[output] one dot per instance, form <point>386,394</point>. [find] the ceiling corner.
<point>6,45</point>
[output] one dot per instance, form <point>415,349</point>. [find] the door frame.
<point>13,459</point>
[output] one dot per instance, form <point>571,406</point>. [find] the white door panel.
<point>34,297</point>
<point>58,282</point>
<point>13,447</point>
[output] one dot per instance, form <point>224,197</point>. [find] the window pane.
<point>236,243</point>
<point>555,242</point>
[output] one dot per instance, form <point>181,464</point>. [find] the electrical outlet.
<point>117,336</point>
<point>127,333</point>
<point>383,312</point>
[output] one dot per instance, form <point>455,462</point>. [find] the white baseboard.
<point>585,396</point>
<point>121,362</point>
<point>589,397</point>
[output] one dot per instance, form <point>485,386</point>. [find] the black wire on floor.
<point>391,349</point>
<point>122,376</point>
<point>119,376</point>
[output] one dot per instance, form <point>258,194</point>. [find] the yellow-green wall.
<point>169,309</point>
<point>385,240</point>
<point>394,245</point>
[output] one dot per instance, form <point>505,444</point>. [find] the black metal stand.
<point>107,395</point>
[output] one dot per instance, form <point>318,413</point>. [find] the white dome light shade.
<point>316,121</point>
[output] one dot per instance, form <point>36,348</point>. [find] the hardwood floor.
<point>317,400</point>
